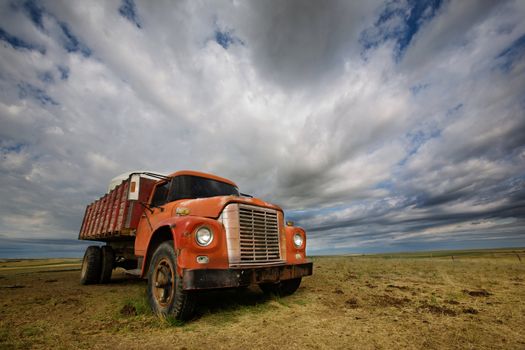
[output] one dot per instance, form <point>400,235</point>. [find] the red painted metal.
<point>113,215</point>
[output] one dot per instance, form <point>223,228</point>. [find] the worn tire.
<point>282,288</point>
<point>165,294</point>
<point>91,265</point>
<point>107,263</point>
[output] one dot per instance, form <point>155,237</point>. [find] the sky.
<point>377,126</point>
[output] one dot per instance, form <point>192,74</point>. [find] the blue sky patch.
<point>26,90</point>
<point>64,72</point>
<point>46,77</point>
<point>128,10</point>
<point>18,43</point>
<point>223,38</point>
<point>454,110</point>
<point>226,38</point>
<point>72,43</point>
<point>35,12</point>
<point>399,23</point>
<point>416,89</point>
<point>417,139</point>
<point>512,54</point>
<point>17,147</point>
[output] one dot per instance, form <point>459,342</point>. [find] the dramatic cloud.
<point>377,126</point>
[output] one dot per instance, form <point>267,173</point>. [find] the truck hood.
<point>213,206</point>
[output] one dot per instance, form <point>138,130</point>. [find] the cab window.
<point>188,186</point>
<point>161,194</point>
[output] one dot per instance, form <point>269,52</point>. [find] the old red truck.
<point>191,231</point>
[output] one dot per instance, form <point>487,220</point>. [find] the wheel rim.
<point>164,282</point>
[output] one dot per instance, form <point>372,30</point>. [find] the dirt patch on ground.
<point>393,286</point>
<point>352,303</point>
<point>470,310</point>
<point>437,309</point>
<point>477,293</point>
<point>388,300</point>
<point>128,310</point>
<point>13,286</point>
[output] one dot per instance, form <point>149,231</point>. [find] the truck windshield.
<point>188,186</point>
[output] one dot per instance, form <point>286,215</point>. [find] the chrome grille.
<point>252,234</point>
<point>259,234</point>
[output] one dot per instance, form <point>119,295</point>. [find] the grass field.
<point>475,300</point>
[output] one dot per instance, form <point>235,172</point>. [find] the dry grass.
<point>475,301</point>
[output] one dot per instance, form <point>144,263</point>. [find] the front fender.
<point>186,248</point>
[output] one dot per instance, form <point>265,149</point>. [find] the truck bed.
<point>113,216</point>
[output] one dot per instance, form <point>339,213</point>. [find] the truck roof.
<point>201,174</point>
<point>117,180</point>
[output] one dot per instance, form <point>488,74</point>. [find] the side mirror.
<point>134,187</point>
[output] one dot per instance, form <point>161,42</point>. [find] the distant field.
<point>17,265</point>
<point>475,300</point>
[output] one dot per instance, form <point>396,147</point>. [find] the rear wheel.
<point>165,293</point>
<point>91,265</point>
<point>107,263</point>
<point>282,288</point>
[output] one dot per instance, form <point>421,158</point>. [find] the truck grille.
<point>259,234</point>
<point>252,234</point>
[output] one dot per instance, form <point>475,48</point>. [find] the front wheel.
<point>282,288</point>
<point>165,293</point>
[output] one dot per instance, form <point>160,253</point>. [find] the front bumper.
<point>237,277</point>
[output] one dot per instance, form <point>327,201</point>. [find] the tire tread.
<point>92,258</point>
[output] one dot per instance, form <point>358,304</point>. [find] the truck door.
<point>152,216</point>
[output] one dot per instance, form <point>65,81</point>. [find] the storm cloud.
<point>377,126</point>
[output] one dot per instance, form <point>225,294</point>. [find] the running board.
<point>135,272</point>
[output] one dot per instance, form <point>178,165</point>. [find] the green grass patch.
<point>135,306</point>
<point>4,335</point>
<point>171,321</point>
<point>32,331</point>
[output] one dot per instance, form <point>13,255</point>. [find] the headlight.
<point>204,236</point>
<point>298,240</point>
